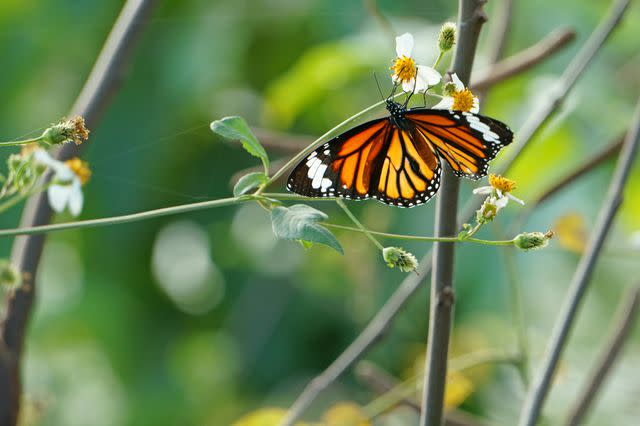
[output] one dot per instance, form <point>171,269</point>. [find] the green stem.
<point>421,238</point>
<point>437,62</point>
<point>126,218</point>
<point>360,226</point>
<point>22,142</point>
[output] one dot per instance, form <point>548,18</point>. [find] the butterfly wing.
<point>466,141</point>
<point>374,160</point>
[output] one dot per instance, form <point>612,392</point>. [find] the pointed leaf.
<point>237,128</point>
<point>248,182</point>
<point>300,222</point>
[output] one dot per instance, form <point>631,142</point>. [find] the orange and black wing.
<point>466,141</point>
<point>374,160</point>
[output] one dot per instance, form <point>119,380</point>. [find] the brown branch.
<point>385,316</point>
<point>381,381</point>
<point>101,84</point>
<point>542,382</point>
<point>523,60</point>
<point>606,154</point>
<point>616,338</point>
<point>471,18</point>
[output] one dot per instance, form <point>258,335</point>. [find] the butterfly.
<point>397,159</point>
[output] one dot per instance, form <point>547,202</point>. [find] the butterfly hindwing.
<point>466,141</point>
<point>374,160</point>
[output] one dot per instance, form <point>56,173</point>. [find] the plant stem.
<point>421,238</point>
<point>542,381</point>
<point>21,142</point>
<point>360,226</point>
<point>616,338</point>
<point>470,19</point>
<point>134,217</point>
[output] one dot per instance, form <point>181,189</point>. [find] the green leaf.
<point>300,222</point>
<point>249,181</point>
<point>236,128</point>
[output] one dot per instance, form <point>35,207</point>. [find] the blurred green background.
<point>204,317</point>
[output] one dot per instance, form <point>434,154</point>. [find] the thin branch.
<point>616,338</point>
<point>381,381</point>
<point>606,154</point>
<point>100,86</point>
<point>542,382</point>
<point>384,318</point>
<point>500,28</point>
<point>471,17</point>
<point>523,60</point>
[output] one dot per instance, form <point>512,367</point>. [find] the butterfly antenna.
<point>375,77</point>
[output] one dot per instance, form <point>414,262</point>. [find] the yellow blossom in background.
<point>457,390</point>
<point>270,416</point>
<point>79,168</point>
<point>345,414</point>
<point>571,232</point>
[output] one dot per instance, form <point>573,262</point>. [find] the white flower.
<point>458,98</point>
<point>66,187</point>
<point>412,77</point>
<point>499,190</point>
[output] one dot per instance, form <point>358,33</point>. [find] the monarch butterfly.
<point>397,159</point>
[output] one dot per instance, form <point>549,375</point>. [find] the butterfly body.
<point>397,159</point>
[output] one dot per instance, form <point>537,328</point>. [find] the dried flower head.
<point>67,130</point>
<point>532,240</point>
<point>398,257</point>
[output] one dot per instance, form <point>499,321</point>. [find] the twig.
<point>383,319</point>
<point>607,153</point>
<point>617,337</point>
<point>541,384</point>
<point>381,381</point>
<point>500,27</point>
<point>523,60</point>
<point>100,86</point>
<point>471,17</point>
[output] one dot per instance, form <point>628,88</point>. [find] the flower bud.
<point>487,211</point>
<point>447,37</point>
<point>396,256</point>
<point>532,240</point>
<point>9,275</point>
<point>65,131</point>
<point>449,89</point>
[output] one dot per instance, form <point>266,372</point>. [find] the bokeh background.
<point>204,317</point>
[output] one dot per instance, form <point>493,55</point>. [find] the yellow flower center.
<point>404,69</point>
<point>502,183</point>
<point>80,169</point>
<point>462,100</point>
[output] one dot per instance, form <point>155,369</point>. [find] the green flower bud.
<point>532,240</point>
<point>9,276</point>
<point>396,256</point>
<point>447,37</point>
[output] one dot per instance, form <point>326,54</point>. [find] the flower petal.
<point>483,190</point>
<point>404,45</point>
<point>428,75</point>
<point>76,199</point>
<point>58,196</point>
<point>516,199</point>
<point>445,103</point>
<point>501,202</point>
<point>458,83</point>
<point>476,105</point>
<point>408,86</point>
